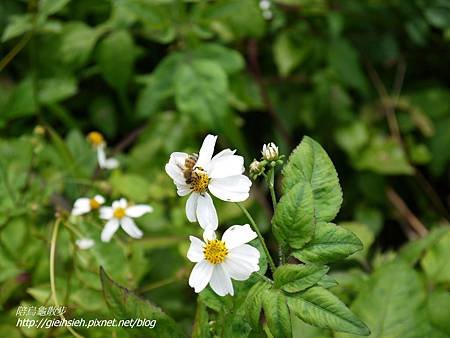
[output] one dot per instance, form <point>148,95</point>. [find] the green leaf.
<point>330,243</point>
<point>56,89</point>
<point>310,164</point>
<point>390,302</point>
<point>132,186</point>
<point>384,156</point>
<point>343,59</point>
<point>253,302</point>
<point>295,277</point>
<point>116,65</point>
<point>160,87</point>
<point>230,60</point>
<point>18,25</point>
<point>438,307</point>
<point>277,313</point>
<point>125,305</point>
<point>436,263</point>
<point>319,307</point>
<point>49,7</point>
<point>77,42</point>
<point>293,221</point>
<point>207,78</point>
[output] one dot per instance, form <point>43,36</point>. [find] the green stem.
<point>52,273</point>
<point>261,238</point>
<point>271,183</point>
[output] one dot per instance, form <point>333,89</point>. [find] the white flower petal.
<point>221,282</point>
<point>101,156</point>
<point>209,235</point>
<point>123,203</point>
<point>195,252</point>
<point>237,235</point>
<point>81,206</point>
<point>191,207</point>
<point>224,152</point>
<point>111,163</point>
<point>206,151</point>
<point>175,173</point>
<point>138,210</point>
<point>106,212</point>
<point>245,252</point>
<point>85,243</point>
<point>200,275</point>
<point>206,212</point>
<point>178,158</point>
<point>130,227</point>
<point>231,189</point>
<point>239,265</point>
<point>183,189</point>
<point>100,199</point>
<point>109,230</point>
<point>225,166</point>
<point>116,204</point>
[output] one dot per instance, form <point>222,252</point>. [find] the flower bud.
<point>256,168</point>
<point>270,152</point>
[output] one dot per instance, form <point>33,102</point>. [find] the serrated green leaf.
<point>436,263</point>
<point>390,302</point>
<point>319,307</point>
<point>310,164</point>
<point>208,78</point>
<point>293,221</point>
<point>327,282</point>
<point>277,313</point>
<point>115,64</point>
<point>330,243</point>
<point>230,60</point>
<point>298,277</point>
<point>125,305</point>
<point>253,302</point>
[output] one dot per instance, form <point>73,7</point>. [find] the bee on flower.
<point>122,214</point>
<point>220,261</point>
<point>84,205</point>
<point>197,174</point>
<point>98,142</point>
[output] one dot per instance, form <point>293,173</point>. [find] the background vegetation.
<point>369,80</point>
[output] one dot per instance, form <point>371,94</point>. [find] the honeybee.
<point>188,169</point>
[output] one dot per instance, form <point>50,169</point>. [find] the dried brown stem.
<point>406,213</point>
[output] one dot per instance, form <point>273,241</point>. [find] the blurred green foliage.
<point>368,79</point>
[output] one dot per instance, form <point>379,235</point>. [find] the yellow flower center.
<point>95,138</point>
<point>94,204</point>
<point>199,181</point>
<point>119,213</point>
<point>215,251</point>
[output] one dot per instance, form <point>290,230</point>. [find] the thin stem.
<point>52,274</point>
<point>271,184</point>
<point>261,238</point>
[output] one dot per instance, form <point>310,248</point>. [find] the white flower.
<point>85,243</point>
<point>121,214</point>
<point>270,152</point>
<point>103,162</point>
<point>219,261</point>
<point>84,205</point>
<point>196,174</point>
<point>98,142</point>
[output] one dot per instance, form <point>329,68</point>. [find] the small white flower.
<point>103,162</point>
<point>270,152</point>
<point>195,174</point>
<point>264,4</point>
<point>219,261</point>
<point>85,243</point>
<point>84,205</point>
<point>98,142</point>
<point>121,214</point>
